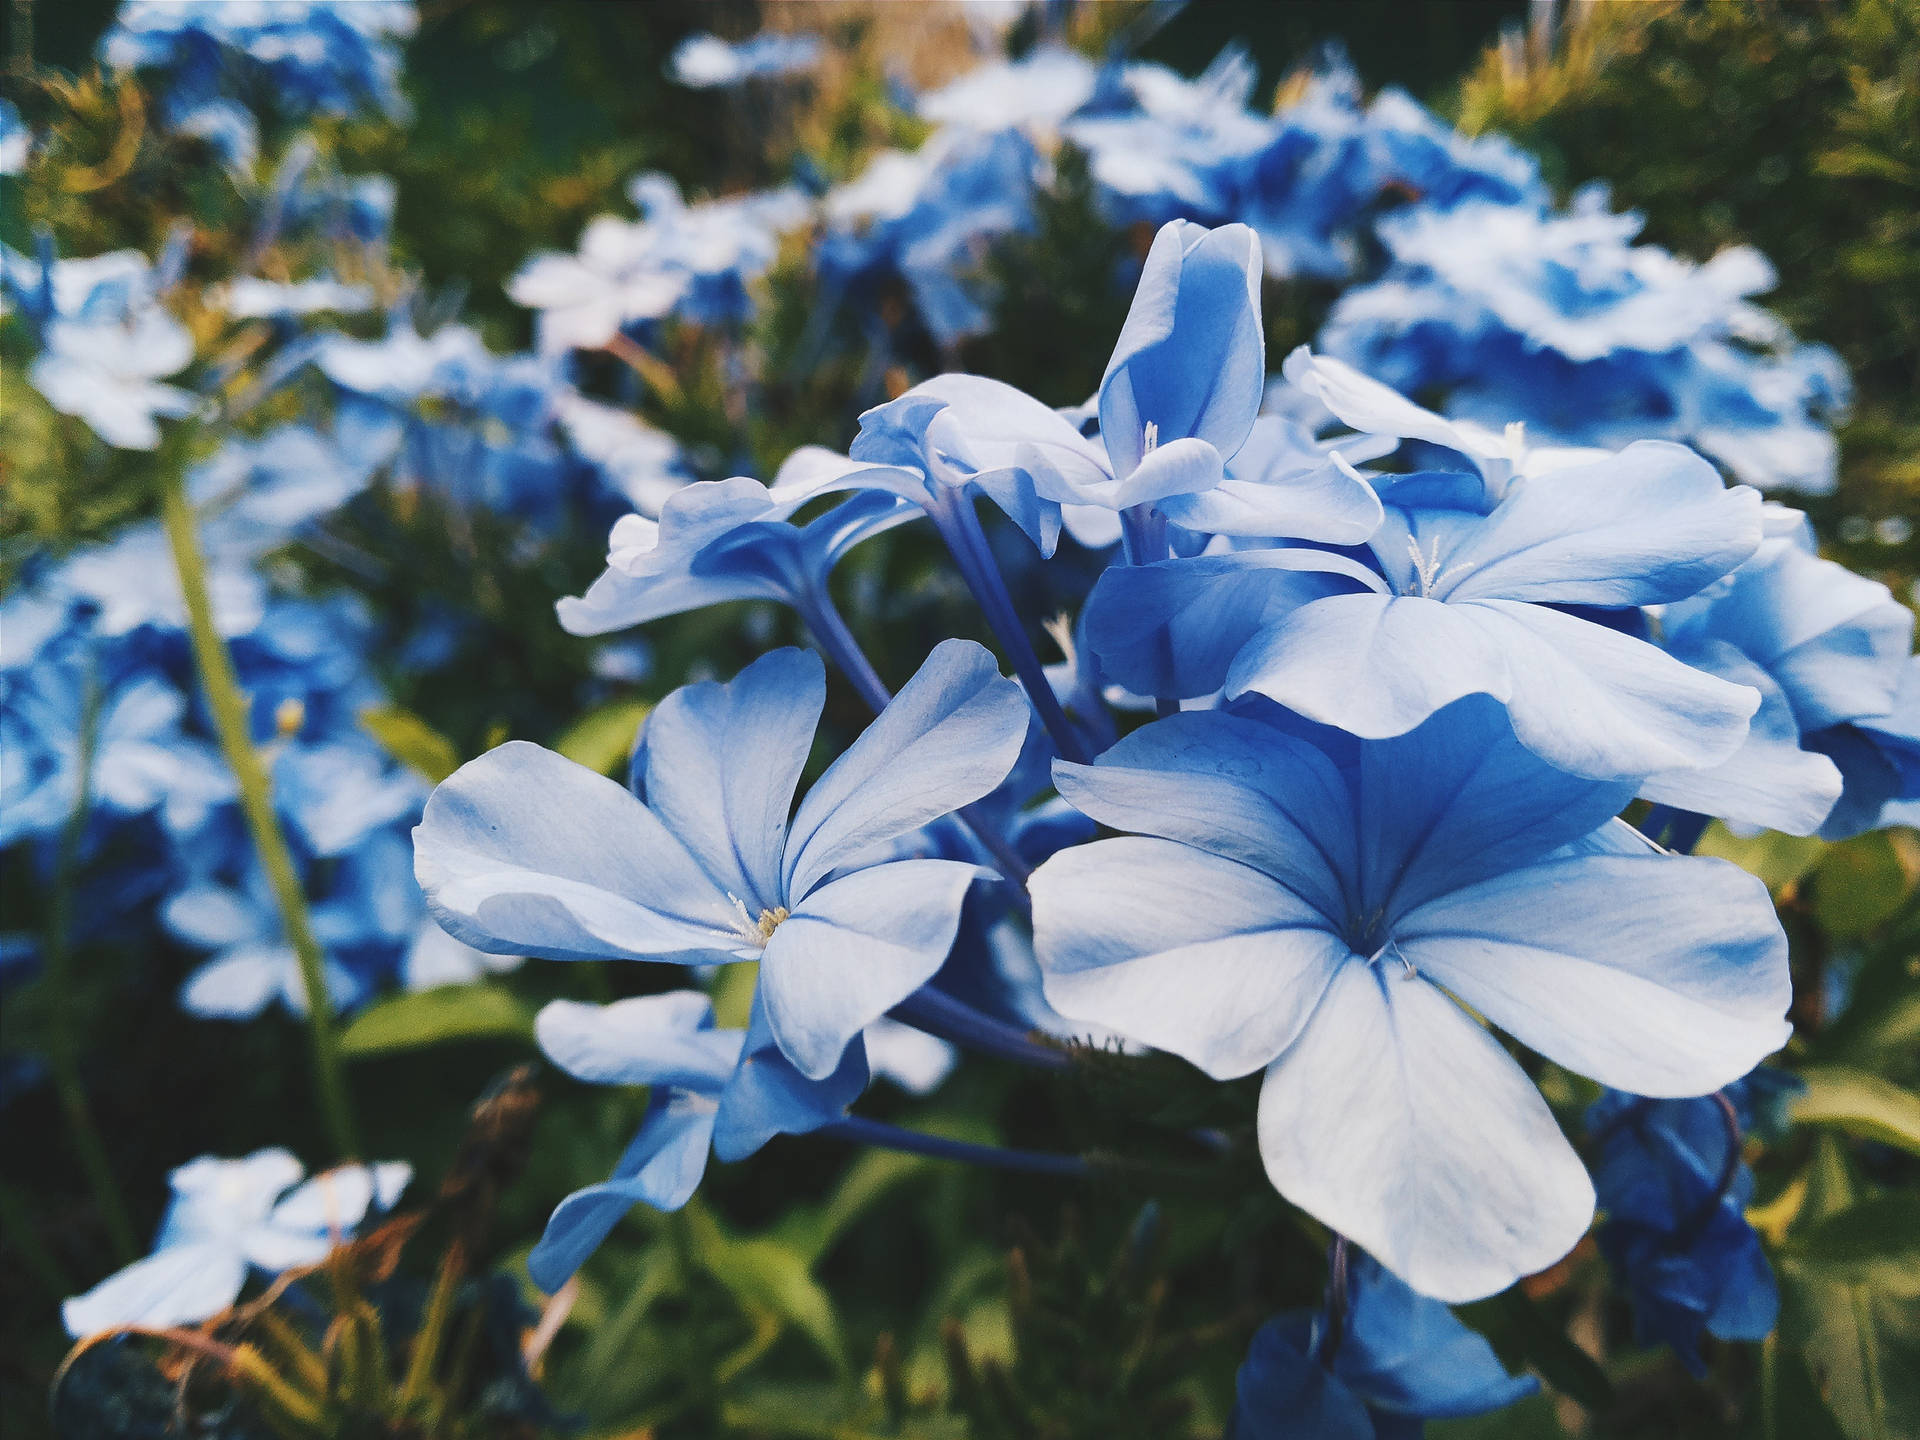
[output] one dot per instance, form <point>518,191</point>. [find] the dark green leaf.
<point>1861,1104</point>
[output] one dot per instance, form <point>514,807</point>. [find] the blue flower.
<point>16,140</point>
<point>1674,1191</point>
<point>252,966</point>
<point>1825,648</point>
<point>143,761</point>
<point>1322,907</point>
<point>107,373</point>
<point>695,261</point>
<point>1879,760</point>
<point>1399,1360</point>
<point>1034,93</point>
<point>1560,321</point>
<point>728,1091</point>
<point>721,540</point>
<point>929,217</point>
<point>1459,594</point>
<point>228,1217</point>
<point>704,61</point>
<point>303,54</point>
<point>523,852</point>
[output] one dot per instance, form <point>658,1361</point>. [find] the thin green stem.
<point>62,1041</point>
<point>229,707</point>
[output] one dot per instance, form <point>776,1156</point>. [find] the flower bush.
<point>952,770</point>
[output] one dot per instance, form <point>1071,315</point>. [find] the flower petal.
<point>1403,1125</point>
<point>719,764</point>
<point>768,1096</point>
<point>662,1167</point>
<point>523,852</point>
<point>182,1285</point>
<point>649,1040</point>
<point>949,736</point>
<point>1660,975</point>
<point>855,948</point>
<point>1191,953</point>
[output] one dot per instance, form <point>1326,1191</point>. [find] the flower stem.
<point>941,1015</point>
<point>1338,1299</point>
<point>959,526</point>
<point>228,705</point>
<point>863,1131</point>
<point>63,1044</point>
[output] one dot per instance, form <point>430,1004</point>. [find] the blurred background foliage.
<point>809,1292</point>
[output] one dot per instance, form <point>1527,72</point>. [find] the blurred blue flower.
<point>703,61</point>
<point>228,1217</point>
<point>1314,902</point>
<point>697,262</point>
<point>1674,1191</point>
<point>1398,1361</point>
<point>299,55</point>
<point>1560,321</point>
<point>930,217</point>
<point>16,140</point>
<point>521,851</point>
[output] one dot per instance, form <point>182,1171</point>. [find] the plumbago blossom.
<point>1372,838</point>
<point>227,1218</point>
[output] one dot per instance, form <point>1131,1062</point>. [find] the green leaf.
<point>812,1230</point>
<point>1790,1405</point>
<point>1858,884</point>
<point>411,741</point>
<point>1861,1344</point>
<point>1777,859</point>
<point>1860,1104</point>
<point>1531,1419</point>
<point>603,738</point>
<point>434,1017</point>
<point>766,1275</point>
<point>1862,1241</point>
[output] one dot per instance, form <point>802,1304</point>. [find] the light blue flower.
<point>108,374</point>
<point>1825,648</point>
<point>931,218</point>
<point>721,540</point>
<point>1323,907</point>
<point>1398,1360</point>
<point>16,140</point>
<point>252,965</point>
<point>1034,93</point>
<point>697,262</point>
<point>329,55</point>
<point>728,1091</point>
<point>143,761</point>
<point>524,852</point>
<point>1559,320</point>
<point>229,1217</point>
<point>703,61</point>
<point>1460,594</point>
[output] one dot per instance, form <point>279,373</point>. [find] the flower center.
<point>760,931</point>
<point>1427,569</point>
<point>1150,441</point>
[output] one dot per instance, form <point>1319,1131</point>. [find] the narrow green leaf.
<point>434,1017</point>
<point>411,741</point>
<point>1790,1405</point>
<point>603,738</point>
<point>1861,1241</point>
<point>766,1275</point>
<point>1860,1104</point>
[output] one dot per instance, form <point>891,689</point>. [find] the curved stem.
<point>1698,1221</point>
<point>959,526</point>
<point>863,1131</point>
<point>229,708</point>
<point>941,1015</point>
<point>62,1043</point>
<point>1338,1301</point>
<point>831,634</point>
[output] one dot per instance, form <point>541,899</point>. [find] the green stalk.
<point>61,1039</point>
<point>230,718</point>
